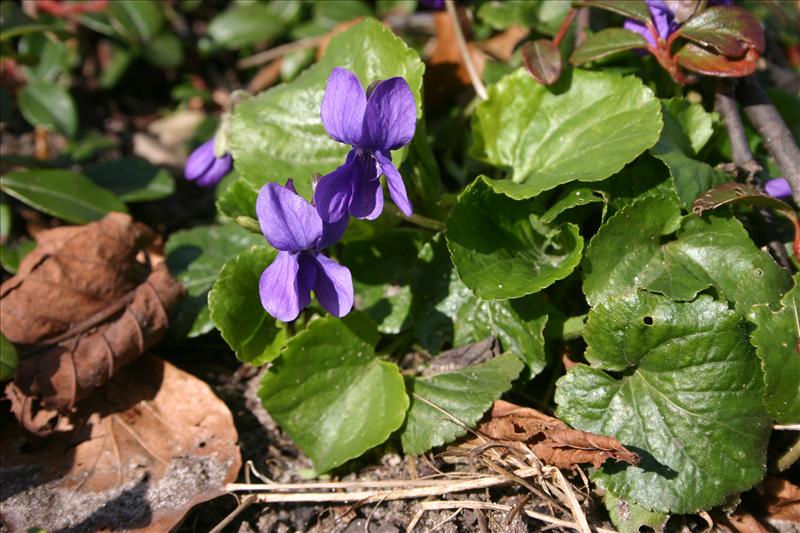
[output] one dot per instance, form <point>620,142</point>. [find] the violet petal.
<point>287,220</point>
<point>397,189</point>
<point>343,105</point>
<point>219,168</point>
<point>662,17</point>
<point>331,233</point>
<point>333,287</point>
<point>390,117</point>
<point>641,29</point>
<point>779,188</point>
<point>200,160</point>
<point>280,290</point>
<point>367,200</point>
<point>334,191</point>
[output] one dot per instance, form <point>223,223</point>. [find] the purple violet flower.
<point>662,14</point>
<point>779,188</point>
<point>293,227</point>
<point>662,18</point>
<point>204,167</point>
<point>373,125</point>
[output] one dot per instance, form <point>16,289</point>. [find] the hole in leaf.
<point>648,321</point>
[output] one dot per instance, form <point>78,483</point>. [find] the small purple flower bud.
<point>204,167</point>
<point>779,188</point>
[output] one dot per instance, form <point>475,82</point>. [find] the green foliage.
<point>548,138</point>
<point>235,308</point>
<point>502,249</point>
<point>687,398</point>
<point>708,252</point>
<point>777,340</point>
<point>48,104</point>
<point>465,394</point>
<point>250,23</point>
<point>195,257</point>
<point>445,311</point>
<point>605,43</point>
<point>279,134</point>
<point>61,193</point>
<point>687,128</point>
<point>629,517</point>
<point>133,180</point>
<point>8,359</point>
<point>331,394</point>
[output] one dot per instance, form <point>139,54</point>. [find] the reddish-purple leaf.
<point>543,60</point>
<point>697,59</point>
<point>607,42</point>
<point>634,9</point>
<point>730,30</point>
<point>730,193</point>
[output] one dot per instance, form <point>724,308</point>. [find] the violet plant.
<point>205,167</point>
<point>606,209</point>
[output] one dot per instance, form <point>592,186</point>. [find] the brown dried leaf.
<point>782,499</point>
<point>551,439</point>
<point>145,448</point>
<point>81,307</point>
<point>739,522</point>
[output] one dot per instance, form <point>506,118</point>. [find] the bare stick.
<point>279,51</point>
<point>246,502</point>
<point>575,507</point>
<point>367,496</point>
<point>341,485</point>
<point>777,137</point>
<point>786,427</point>
<point>727,107</point>
<point>474,77</point>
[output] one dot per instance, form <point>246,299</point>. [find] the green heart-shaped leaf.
<point>688,400</point>
<point>331,394</point>
<point>586,133</point>
<point>502,249</point>
<point>465,393</point>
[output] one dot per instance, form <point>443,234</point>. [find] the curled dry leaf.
<point>550,439</point>
<point>782,499</point>
<point>143,450</point>
<point>84,303</point>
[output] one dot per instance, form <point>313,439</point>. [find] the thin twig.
<point>777,137</point>
<point>367,496</point>
<point>787,427</point>
<point>419,220</point>
<point>344,485</point>
<point>279,51</point>
<point>246,502</point>
<point>575,507</point>
<point>474,77</point>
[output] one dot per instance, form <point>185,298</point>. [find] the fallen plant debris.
<point>550,439</point>
<point>139,453</point>
<point>85,302</point>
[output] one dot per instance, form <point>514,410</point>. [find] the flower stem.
<point>419,220</point>
<point>474,77</point>
<point>562,31</point>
